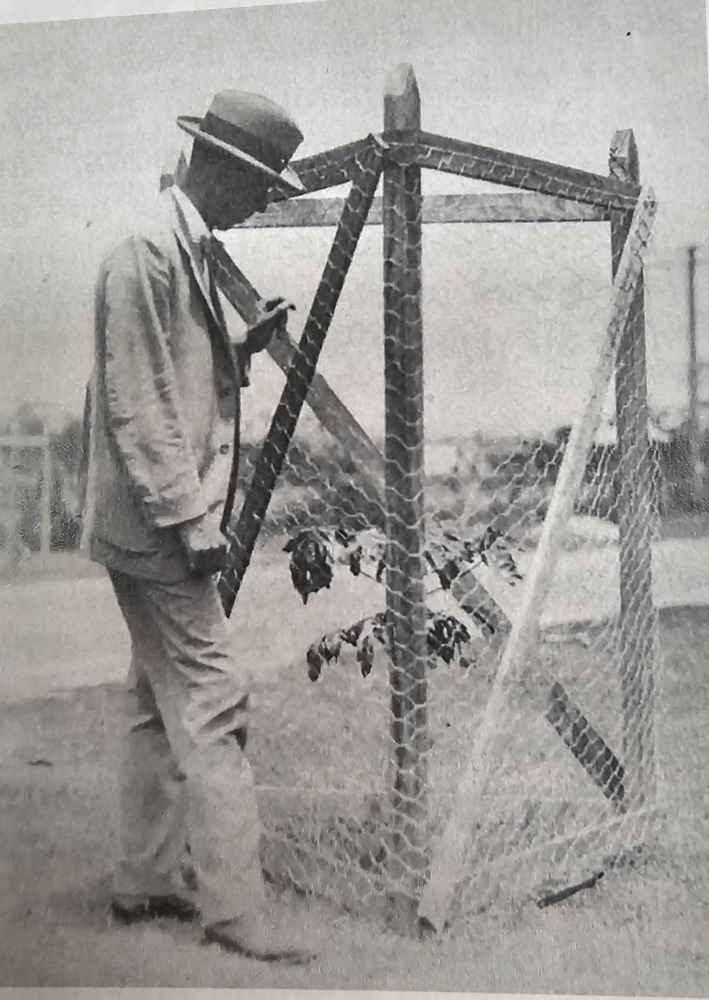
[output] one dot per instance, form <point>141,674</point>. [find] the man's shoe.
<point>131,909</point>
<point>258,938</point>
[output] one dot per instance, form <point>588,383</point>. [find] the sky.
<point>88,108</point>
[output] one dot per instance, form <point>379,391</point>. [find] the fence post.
<point>403,368</point>
<point>15,540</point>
<point>693,431</point>
<point>637,634</point>
<point>45,537</point>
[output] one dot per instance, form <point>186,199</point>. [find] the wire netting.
<point>512,316</point>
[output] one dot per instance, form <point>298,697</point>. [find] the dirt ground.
<point>643,930</point>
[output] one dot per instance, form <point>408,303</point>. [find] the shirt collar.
<point>191,224</point>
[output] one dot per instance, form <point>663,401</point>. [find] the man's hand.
<point>205,545</point>
<point>272,321</point>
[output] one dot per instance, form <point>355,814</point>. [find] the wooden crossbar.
<point>468,159</point>
<point>438,209</point>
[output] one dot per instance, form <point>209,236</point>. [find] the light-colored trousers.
<point>184,778</point>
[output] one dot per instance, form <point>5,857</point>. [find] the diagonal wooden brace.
<point>330,168</point>
<point>300,374</point>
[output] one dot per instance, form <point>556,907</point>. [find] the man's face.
<point>236,194</point>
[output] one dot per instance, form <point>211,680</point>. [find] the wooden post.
<point>637,634</point>
<point>403,367</point>
<point>695,454</point>
<point>46,509</point>
<point>15,550</point>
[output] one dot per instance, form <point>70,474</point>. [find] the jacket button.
<point>224,449</point>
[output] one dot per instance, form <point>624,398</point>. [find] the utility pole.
<point>693,424</point>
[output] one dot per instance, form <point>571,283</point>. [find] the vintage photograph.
<point>354,498</point>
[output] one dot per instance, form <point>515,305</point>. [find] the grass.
<point>640,930</point>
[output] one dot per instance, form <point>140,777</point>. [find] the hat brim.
<point>287,180</point>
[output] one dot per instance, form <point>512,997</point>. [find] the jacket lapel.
<point>215,311</point>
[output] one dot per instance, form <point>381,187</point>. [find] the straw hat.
<point>252,129</point>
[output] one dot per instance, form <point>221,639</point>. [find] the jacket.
<point>163,400</point>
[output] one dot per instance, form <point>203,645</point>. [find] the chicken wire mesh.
<point>358,760</point>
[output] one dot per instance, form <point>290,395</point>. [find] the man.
<point>164,405</point>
